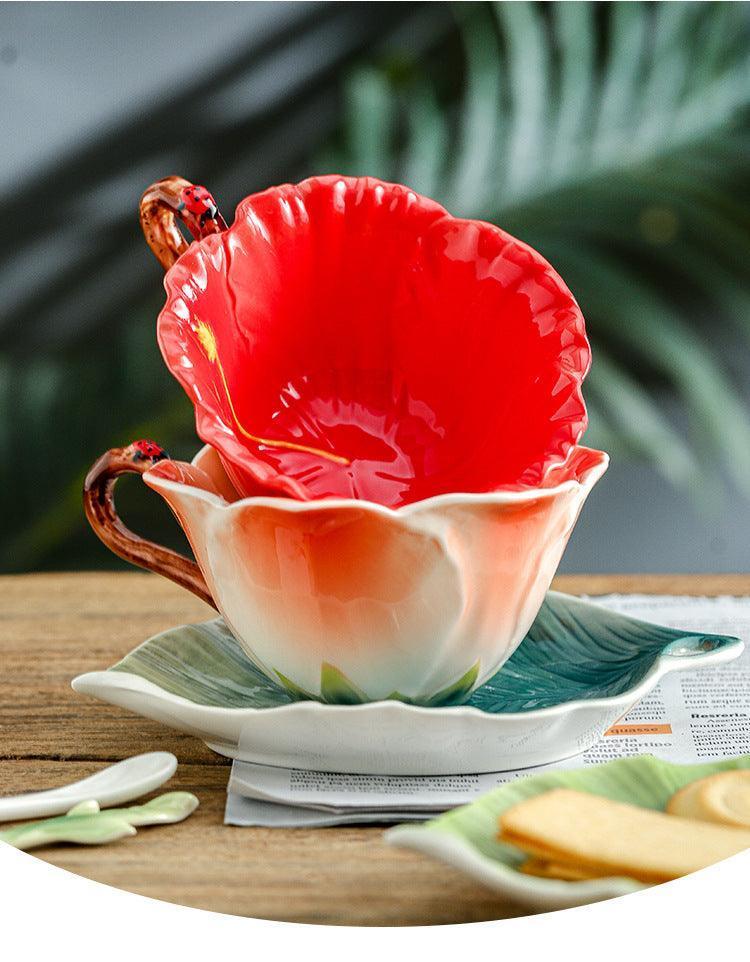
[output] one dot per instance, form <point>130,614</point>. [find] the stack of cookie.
<point>575,836</point>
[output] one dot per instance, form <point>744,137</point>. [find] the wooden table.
<point>53,627</point>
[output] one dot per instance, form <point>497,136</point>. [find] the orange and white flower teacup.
<point>391,403</point>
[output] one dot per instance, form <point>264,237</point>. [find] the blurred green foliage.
<point>612,137</point>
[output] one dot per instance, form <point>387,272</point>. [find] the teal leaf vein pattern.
<point>574,650</point>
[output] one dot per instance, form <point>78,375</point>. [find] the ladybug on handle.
<point>147,451</point>
<point>174,197</point>
<point>199,202</point>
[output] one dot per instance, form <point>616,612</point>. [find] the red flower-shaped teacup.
<point>391,400</point>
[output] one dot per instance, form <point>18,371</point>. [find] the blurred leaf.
<point>636,317</point>
<point>480,116</point>
<point>574,26</point>
<point>424,156</point>
<point>528,56</point>
<point>639,422</point>
<point>48,525</point>
<point>369,111</point>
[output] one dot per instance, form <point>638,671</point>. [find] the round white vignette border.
<point>50,913</point>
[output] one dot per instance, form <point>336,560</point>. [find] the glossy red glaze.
<point>406,353</point>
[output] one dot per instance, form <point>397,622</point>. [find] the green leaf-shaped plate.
<point>466,838</point>
<point>579,668</point>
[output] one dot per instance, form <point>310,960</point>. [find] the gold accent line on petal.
<point>207,342</point>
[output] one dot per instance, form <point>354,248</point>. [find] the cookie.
<point>598,835</point>
<point>722,798</point>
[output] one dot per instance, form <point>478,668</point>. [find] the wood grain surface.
<point>53,627</point>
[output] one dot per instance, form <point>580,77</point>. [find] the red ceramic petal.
<point>405,352</point>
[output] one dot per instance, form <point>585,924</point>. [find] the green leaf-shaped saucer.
<point>579,668</point>
<point>466,838</point>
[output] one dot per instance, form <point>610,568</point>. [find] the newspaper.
<point>691,716</point>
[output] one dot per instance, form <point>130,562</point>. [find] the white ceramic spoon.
<point>117,783</point>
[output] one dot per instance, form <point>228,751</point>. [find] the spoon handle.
<point>112,785</point>
<point>33,805</point>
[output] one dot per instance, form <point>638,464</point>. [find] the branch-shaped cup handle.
<point>99,505</point>
<point>171,199</point>
<point>162,205</point>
